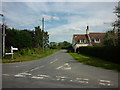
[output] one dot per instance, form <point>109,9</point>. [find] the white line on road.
<point>19,75</point>
<point>82,80</point>
<point>59,67</point>
<point>66,66</point>
<point>36,68</point>
<point>53,61</point>
<point>61,78</point>
<point>40,76</point>
<point>22,74</point>
<point>104,82</point>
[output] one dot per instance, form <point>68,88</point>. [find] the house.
<point>88,39</point>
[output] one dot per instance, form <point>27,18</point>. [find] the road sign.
<point>11,51</point>
<point>8,53</point>
<point>14,48</point>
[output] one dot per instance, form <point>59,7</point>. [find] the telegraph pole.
<point>43,32</point>
<point>3,34</point>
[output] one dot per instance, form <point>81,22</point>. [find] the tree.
<point>111,39</point>
<point>46,39</point>
<point>117,22</point>
<point>41,37</point>
<point>38,37</point>
<point>53,45</point>
<point>64,44</point>
<point>18,38</point>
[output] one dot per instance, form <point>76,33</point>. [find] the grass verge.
<point>95,61</point>
<point>28,57</point>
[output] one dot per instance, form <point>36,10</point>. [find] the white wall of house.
<point>79,45</point>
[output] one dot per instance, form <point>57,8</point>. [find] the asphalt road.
<point>58,70</point>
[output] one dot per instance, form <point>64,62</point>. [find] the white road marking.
<point>36,68</point>
<point>61,78</point>
<point>36,77</point>
<point>19,75</point>
<point>82,80</point>
<point>53,61</point>
<point>105,82</point>
<point>45,76</point>
<point>66,66</point>
<point>40,76</point>
<point>59,67</point>
<point>24,74</point>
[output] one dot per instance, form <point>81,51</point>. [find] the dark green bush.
<point>103,52</point>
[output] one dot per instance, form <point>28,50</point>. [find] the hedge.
<point>103,52</point>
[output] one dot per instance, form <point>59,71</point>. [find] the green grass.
<point>95,61</point>
<point>28,57</point>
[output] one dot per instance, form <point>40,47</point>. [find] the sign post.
<point>11,51</point>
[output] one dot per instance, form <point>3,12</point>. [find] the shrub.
<point>103,52</point>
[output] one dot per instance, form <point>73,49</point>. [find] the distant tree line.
<point>60,45</point>
<point>26,38</point>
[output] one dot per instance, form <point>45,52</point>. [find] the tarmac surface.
<point>58,70</point>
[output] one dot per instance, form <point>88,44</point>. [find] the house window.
<point>82,41</point>
<point>97,40</point>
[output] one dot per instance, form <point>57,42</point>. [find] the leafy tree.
<point>64,44</point>
<point>18,38</point>
<point>41,37</point>
<point>38,37</point>
<point>111,39</point>
<point>60,45</point>
<point>46,39</point>
<point>53,45</point>
<point>117,22</point>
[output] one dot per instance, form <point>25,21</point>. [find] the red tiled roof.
<point>97,35</point>
<point>80,36</point>
<point>76,37</point>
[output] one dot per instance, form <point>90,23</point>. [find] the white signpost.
<point>12,49</point>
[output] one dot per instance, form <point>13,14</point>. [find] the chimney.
<point>87,33</point>
<point>87,30</point>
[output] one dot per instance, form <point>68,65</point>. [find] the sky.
<point>62,19</point>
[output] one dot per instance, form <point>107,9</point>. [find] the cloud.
<point>49,17</point>
<point>62,20</point>
<point>77,25</point>
<point>55,18</point>
<point>61,0</point>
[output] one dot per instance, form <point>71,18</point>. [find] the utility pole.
<point>43,32</point>
<point>3,35</point>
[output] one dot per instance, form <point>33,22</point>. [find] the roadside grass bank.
<point>28,55</point>
<point>93,61</point>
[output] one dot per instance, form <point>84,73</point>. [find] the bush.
<point>103,52</point>
<point>28,51</point>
